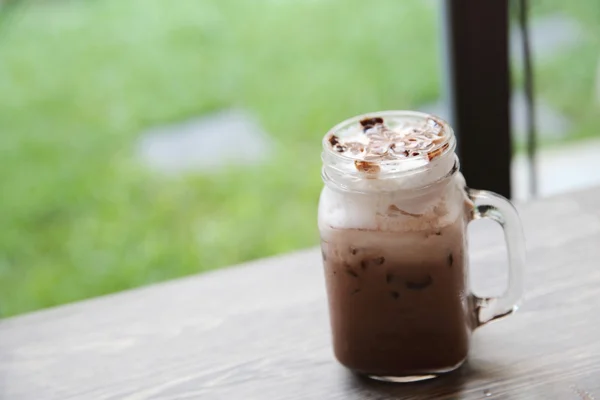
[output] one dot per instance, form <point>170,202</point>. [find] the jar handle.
<point>498,208</point>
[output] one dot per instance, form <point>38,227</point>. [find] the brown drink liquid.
<point>398,310</point>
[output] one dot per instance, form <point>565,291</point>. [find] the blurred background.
<point>144,140</point>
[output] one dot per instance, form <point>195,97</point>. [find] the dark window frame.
<point>478,80</point>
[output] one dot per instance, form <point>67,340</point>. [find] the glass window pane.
<point>565,39</point>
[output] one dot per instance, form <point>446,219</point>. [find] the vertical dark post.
<point>529,95</point>
<point>479,83</point>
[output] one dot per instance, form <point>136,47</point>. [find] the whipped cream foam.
<point>385,171</point>
<point>394,212</point>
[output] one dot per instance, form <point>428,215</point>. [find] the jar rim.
<point>387,167</point>
<point>396,114</point>
<point>341,186</point>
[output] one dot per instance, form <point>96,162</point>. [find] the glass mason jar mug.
<point>392,217</point>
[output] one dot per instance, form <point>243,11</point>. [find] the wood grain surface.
<point>260,330</point>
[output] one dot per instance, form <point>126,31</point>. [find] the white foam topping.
<point>393,212</point>
<point>376,167</point>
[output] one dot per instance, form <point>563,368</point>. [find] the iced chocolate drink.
<point>392,218</point>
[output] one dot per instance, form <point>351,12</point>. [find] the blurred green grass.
<point>571,81</point>
<point>79,81</point>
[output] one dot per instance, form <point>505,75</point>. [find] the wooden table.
<point>260,331</point>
